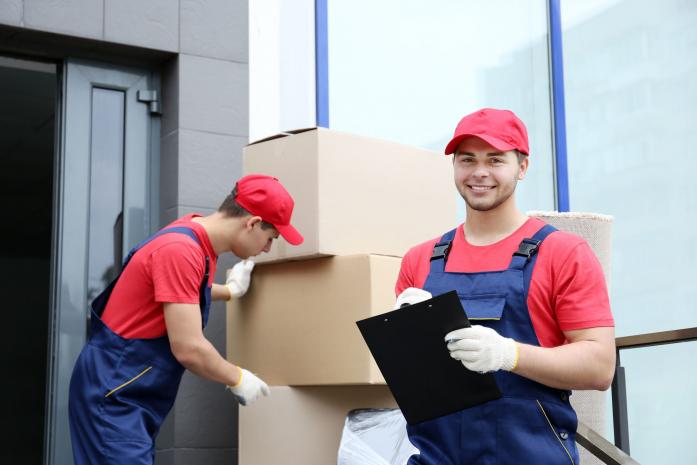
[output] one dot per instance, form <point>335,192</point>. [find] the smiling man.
<point>147,326</point>
<point>537,300</point>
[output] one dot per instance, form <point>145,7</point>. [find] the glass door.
<point>105,203</point>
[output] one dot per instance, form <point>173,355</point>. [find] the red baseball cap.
<point>501,129</point>
<point>264,196</point>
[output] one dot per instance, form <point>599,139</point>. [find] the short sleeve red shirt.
<point>169,268</point>
<point>567,288</point>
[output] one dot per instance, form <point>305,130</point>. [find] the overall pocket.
<point>125,412</point>
<point>526,433</point>
<point>561,435</point>
<point>483,306</point>
<point>123,385</point>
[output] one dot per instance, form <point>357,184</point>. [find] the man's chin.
<point>480,206</point>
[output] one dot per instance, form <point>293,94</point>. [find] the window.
<point>407,71</point>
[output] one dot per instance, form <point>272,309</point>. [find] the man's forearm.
<point>204,360</point>
<point>577,365</point>
<point>220,292</point>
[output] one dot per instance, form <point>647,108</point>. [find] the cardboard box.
<point>302,426</point>
<point>355,194</point>
<point>296,325</point>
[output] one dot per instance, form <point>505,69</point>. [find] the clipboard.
<point>409,347</point>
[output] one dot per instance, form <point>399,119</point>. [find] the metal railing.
<point>601,448</point>
<point>619,390</point>
<point>618,454</point>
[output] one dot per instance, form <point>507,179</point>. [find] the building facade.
<point>119,116</point>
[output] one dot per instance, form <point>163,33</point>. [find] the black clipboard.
<point>409,347</point>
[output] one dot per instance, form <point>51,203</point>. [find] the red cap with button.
<point>499,128</point>
<point>264,196</point>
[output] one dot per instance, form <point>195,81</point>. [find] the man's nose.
<point>267,248</point>
<point>480,171</point>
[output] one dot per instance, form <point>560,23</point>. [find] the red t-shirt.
<point>169,268</point>
<point>567,288</point>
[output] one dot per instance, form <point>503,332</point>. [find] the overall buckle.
<point>441,250</point>
<point>527,248</point>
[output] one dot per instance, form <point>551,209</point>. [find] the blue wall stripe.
<point>558,107</point>
<point>321,64</point>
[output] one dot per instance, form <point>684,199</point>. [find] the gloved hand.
<point>411,296</point>
<point>238,278</point>
<point>482,349</point>
<point>248,388</point>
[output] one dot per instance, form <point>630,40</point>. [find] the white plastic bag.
<point>375,437</point>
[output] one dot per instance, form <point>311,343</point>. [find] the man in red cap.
<point>147,325</point>
<point>537,300</point>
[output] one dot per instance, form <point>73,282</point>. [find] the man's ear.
<point>251,221</point>
<point>523,169</point>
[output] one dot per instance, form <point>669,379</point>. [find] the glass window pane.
<point>660,403</point>
<point>411,76</point>
<point>630,103</point>
<point>106,188</point>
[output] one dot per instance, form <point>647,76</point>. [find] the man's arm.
<point>586,362</point>
<point>237,282</point>
<point>192,349</point>
<point>220,292</point>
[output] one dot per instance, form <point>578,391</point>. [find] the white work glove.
<point>248,388</point>
<point>411,296</point>
<point>238,278</point>
<point>482,349</point>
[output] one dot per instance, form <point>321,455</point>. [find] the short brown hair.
<point>230,207</point>
<point>521,156</point>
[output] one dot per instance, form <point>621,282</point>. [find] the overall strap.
<point>99,302</point>
<point>178,230</point>
<point>525,257</point>
<point>441,251</point>
<point>203,287</point>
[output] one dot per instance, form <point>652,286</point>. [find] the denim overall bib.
<point>531,423</point>
<point>121,389</point>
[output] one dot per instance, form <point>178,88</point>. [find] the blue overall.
<point>121,389</point>
<point>531,423</point>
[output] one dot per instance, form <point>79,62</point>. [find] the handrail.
<point>659,338</point>
<point>619,390</point>
<point>601,447</point>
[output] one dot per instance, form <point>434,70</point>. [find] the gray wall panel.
<point>209,165</point>
<point>81,18</point>
<point>205,456</point>
<point>11,12</point>
<point>169,171</point>
<point>170,96</point>
<point>171,214</point>
<point>215,29</point>
<point>164,457</point>
<point>213,95</point>
<point>152,24</point>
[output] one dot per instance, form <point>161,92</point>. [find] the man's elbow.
<point>604,376</point>
<point>188,353</point>
<point>603,382</point>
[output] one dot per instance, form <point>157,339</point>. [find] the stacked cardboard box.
<point>360,203</point>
